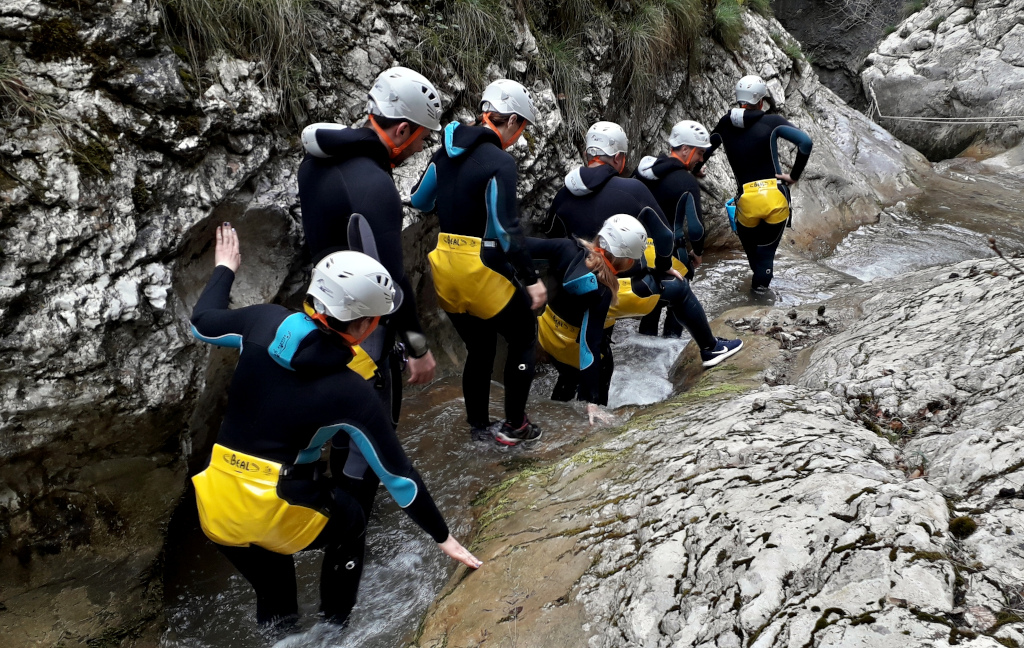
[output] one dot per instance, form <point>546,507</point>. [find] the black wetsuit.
<point>291,394</point>
<point>470,183</point>
<point>590,196</point>
<point>751,139</point>
<point>583,302</point>
<point>678,193</point>
<point>356,178</point>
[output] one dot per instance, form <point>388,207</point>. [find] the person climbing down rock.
<point>348,170</point>
<point>751,140</point>
<point>264,495</point>
<point>669,179</point>
<point>571,329</point>
<point>482,271</point>
<point>594,193</point>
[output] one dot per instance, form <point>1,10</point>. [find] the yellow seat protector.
<point>239,506</point>
<point>630,304</point>
<point>761,200</point>
<point>559,338</point>
<point>362,363</point>
<point>677,265</point>
<point>462,281</point>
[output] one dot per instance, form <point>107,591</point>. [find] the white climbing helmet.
<point>751,89</point>
<point>606,138</point>
<point>348,285</point>
<point>623,236</point>
<point>507,97</point>
<point>689,133</point>
<point>401,93</point>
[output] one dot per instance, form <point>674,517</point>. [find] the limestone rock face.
<point>952,59</point>
<point>117,159</point>
<point>785,515</point>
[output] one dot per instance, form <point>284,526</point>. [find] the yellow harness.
<point>362,363</point>
<point>559,338</point>
<point>462,281</point>
<point>677,265</point>
<point>761,200</point>
<point>239,505</point>
<point>630,304</point>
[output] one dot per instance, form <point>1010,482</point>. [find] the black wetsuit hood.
<point>321,353</point>
<point>342,144</point>
<point>585,180</point>
<point>460,139</point>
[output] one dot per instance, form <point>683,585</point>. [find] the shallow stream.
<point>208,605</point>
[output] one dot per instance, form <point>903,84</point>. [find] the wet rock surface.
<point>745,513</point>
<point>952,59</point>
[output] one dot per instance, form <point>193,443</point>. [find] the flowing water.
<point>208,605</point>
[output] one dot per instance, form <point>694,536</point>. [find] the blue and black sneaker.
<point>722,350</point>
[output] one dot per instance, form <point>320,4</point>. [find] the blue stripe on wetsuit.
<point>693,224</point>
<point>581,285</point>
<point>586,355</point>
<point>425,196</point>
<point>494,228</point>
<point>403,489</point>
<point>230,340</point>
<point>449,141</point>
<point>311,452</point>
<point>801,139</point>
<point>290,333</point>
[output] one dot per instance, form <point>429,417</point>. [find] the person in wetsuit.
<point>483,274</point>
<point>669,179</point>
<point>571,329</point>
<point>263,496</point>
<point>595,192</point>
<point>348,170</point>
<point>751,140</point>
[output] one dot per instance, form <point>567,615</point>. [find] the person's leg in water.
<point>272,575</point>
<point>649,322</point>
<point>688,310</point>
<point>518,325</point>
<point>568,382</point>
<point>344,544</point>
<point>760,244</point>
<point>481,340</point>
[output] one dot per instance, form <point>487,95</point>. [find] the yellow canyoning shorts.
<point>239,505</point>
<point>761,200</point>
<point>462,281</point>
<point>677,265</point>
<point>559,338</point>
<point>630,304</point>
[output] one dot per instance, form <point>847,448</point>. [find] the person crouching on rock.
<point>571,329</point>
<point>751,140</point>
<point>264,496</point>
<point>483,274</point>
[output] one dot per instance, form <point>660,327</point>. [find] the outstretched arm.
<point>212,320</point>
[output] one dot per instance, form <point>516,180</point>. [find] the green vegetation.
<point>727,26</point>
<point>274,32</point>
<point>762,7</point>
<point>962,527</point>
<point>913,7</point>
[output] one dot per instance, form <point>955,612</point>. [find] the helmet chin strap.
<point>604,257</point>
<point>619,168</point>
<point>689,158</point>
<point>394,150</point>
<point>353,341</point>
<point>321,321</point>
<point>504,143</point>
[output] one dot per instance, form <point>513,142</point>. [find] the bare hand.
<point>538,294</point>
<point>696,260</point>
<point>421,369</point>
<point>226,253</point>
<point>785,177</point>
<point>675,273</point>
<point>455,551</point>
<point>595,413</point>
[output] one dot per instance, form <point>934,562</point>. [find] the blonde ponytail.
<point>600,268</point>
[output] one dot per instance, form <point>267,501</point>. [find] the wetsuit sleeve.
<point>557,252</point>
<point>716,141</point>
<point>503,220</point>
<point>803,144</point>
<point>591,341</point>
<point>424,193</point>
<point>379,445</point>
<point>212,321</point>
